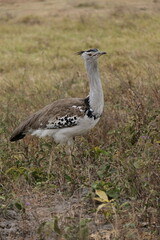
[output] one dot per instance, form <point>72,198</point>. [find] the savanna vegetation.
<point>111,190</point>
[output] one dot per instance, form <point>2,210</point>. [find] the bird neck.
<point>96,99</point>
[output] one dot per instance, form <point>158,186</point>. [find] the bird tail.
<point>16,137</point>
<point>20,131</point>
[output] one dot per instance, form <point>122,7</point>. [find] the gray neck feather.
<point>96,91</point>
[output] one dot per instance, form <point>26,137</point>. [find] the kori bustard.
<point>66,118</point>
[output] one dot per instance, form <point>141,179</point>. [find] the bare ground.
<point>41,210</point>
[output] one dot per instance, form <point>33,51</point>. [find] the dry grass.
<point>120,156</point>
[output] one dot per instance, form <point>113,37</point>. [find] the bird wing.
<point>59,114</point>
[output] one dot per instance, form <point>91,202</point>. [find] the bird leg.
<point>56,151</point>
<point>57,157</point>
<point>51,159</point>
<point>69,154</point>
<point>69,150</point>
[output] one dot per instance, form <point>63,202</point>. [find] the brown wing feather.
<point>52,111</point>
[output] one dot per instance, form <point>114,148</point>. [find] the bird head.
<point>91,54</point>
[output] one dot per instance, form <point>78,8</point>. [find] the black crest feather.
<point>90,50</point>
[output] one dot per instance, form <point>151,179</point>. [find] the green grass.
<point>120,156</point>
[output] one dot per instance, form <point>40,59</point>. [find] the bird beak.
<point>102,53</point>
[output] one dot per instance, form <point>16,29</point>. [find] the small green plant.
<point>109,188</point>
<point>69,231</point>
<point>106,204</point>
<point>50,229</point>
